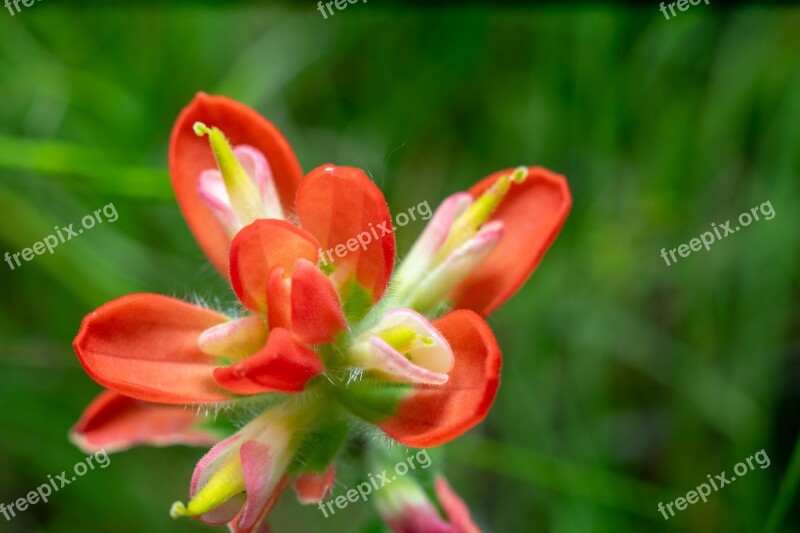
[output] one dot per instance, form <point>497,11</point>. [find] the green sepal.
<point>373,400</point>
<point>319,447</point>
<point>356,301</point>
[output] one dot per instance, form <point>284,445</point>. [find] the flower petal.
<point>279,300</point>
<point>260,247</point>
<point>316,314</point>
<point>343,208</point>
<point>189,155</point>
<point>264,460</point>
<point>283,365</point>
<point>211,188</point>
<point>454,507</point>
<point>432,415</point>
<point>532,214</point>
<point>261,524</point>
<point>113,422</point>
<point>312,487</point>
<point>259,477</point>
<point>145,346</point>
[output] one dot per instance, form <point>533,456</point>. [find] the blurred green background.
<point>625,381</point>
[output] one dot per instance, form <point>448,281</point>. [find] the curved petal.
<point>312,487</point>
<point>454,507</point>
<point>347,212</point>
<point>432,415</point>
<point>113,422</point>
<point>257,459</point>
<point>283,365</point>
<point>260,247</point>
<point>211,188</point>
<point>532,214</point>
<point>189,155</point>
<point>145,346</point>
<point>316,314</point>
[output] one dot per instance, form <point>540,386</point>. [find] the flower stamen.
<point>244,195</point>
<point>227,482</point>
<point>470,221</point>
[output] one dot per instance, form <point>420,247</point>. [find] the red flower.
<point>330,333</point>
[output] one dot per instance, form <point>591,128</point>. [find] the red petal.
<point>340,205</point>
<point>189,155</point>
<point>283,365</point>
<point>432,415</point>
<point>145,346</point>
<point>279,300</point>
<point>312,488</point>
<point>532,214</point>
<point>260,247</point>
<point>454,507</point>
<point>113,422</point>
<point>316,314</point>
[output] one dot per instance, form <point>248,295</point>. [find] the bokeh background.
<point>625,381</point>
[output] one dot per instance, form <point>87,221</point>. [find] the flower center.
<point>404,339</point>
<point>404,347</point>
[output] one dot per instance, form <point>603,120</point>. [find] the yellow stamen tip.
<point>177,510</point>
<point>519,175</point>
<point>201,129</point>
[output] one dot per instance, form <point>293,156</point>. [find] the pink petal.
<point>454,507</point>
